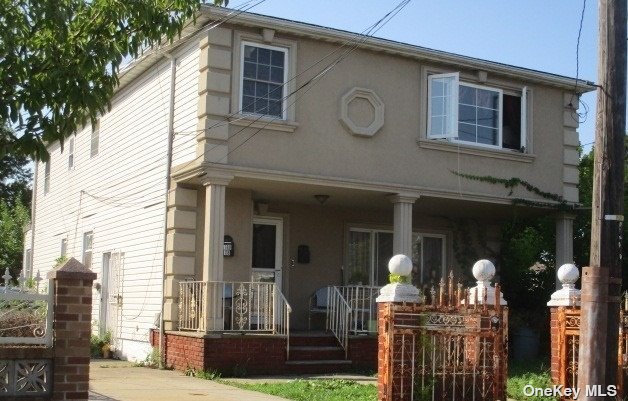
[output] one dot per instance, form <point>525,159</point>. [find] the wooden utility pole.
<point>601,281</point>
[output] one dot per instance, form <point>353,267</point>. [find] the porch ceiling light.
<point>321,198</point>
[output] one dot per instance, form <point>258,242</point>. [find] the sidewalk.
<point>112,380</point>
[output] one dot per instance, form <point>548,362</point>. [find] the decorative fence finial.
<point>400,265</point>
<point>567,274</point>
<point>484,292</point>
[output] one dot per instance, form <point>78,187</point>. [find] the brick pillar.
<point>555,344</point>
<point>72,329</point>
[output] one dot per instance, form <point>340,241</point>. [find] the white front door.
<point>111,295</point>
<point>267,252</point>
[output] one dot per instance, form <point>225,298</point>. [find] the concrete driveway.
<point>111,380</point>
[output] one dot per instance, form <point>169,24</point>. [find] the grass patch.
<point>520,374</point>
<point>314,390</point>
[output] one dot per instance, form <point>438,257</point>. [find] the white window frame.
<point>284,85</point>
<point>499,123</point>
<point>71,154</point>
<point>454,98</point>
<point>64,247</point>
<point>95,136</point>
<point>88,251</point>
<point>373,249</point>
<point>452,120</point>
<point>47,169</point>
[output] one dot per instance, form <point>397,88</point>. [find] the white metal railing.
<point>26,311</point>
<point>338,316</point>
<point>361,299</point>
<point>233,306</point>
<point>192,305</point>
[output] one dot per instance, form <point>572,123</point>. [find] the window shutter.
<point>442,106</point>
<point>524,119</point>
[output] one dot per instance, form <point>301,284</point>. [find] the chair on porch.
<point>317,304</point>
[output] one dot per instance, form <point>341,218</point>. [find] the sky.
<point>537,34</point>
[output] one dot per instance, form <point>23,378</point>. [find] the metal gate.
<point>450,348</point>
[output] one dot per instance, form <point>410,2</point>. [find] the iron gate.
<point>450,348</point>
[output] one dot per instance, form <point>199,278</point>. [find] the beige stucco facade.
<point>357,134</point>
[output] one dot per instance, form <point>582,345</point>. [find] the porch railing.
<point>233,306</point>
<point>361,299</point>
<point>26,311</point>
<point>338,316</point>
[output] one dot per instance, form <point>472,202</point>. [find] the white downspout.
<point>173,73</point>
<point>33,209</point>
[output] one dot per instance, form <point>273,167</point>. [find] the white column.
<point>213,237</point>
<point>402,235</point>
<point>564,242</point>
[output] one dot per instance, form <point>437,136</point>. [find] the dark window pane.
<point>275,91</point>
<point>277,58</point>
<point>264,239</point>
<point>249,70</point>
<point>466,114</point>
<point>250,53</point>
<point>261,89</point>
<point>384,249</point>
<point>263,72</point>
<point>248,87</point>
<point>487,136</point>
<point>487,117</point>
<point>263,56</point>
<point>466,95</point>
<point>511,122</point>
<point>488,98</point>
<point>248,103</point>
<point>466,132</point>
<point>261,106</point>
<point>274,108</point>
<point>276,74</point>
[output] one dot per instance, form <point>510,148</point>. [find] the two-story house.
<point>256,160</point>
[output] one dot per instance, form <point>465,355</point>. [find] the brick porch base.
<point>252,354</point>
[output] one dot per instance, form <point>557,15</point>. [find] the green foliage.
<point>521,375</point>
<point>397,278</point>
<point>152,359</point>
<point>97,342</point>
<point>60,260</point>
<point>12,221</point>
<point>15,175</point>
<point>61,60</point>
<point>315,390</point>
<point>209,374</point>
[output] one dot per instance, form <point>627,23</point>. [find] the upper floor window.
<point>64,247</point>
<point>71,154</point>
<point>475,114</point>
<point>95,139</point>
<point>47,177</point>
<point>264,71</point>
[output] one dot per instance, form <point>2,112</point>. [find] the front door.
<point>267,250</point>
<point>110,295</point>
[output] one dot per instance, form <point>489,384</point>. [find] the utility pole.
<point>601,281</point>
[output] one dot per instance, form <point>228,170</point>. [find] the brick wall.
<point>72,305</point>
<point>363,352</point>
<point>555,344</point>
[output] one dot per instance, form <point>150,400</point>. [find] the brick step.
<point>318,340</point>
<point>326,366</point>
<point>316,352</point>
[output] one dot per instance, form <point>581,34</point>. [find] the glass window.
<point>95,139</point>
<point>264,243</point>
<point>360,257</point>
<point>47,177</point>
<point>64,247</point>
<point>475,114</point>
<point>263,79</point>
<point>71,153</point>
<point>88,243</point>
<point>428,258</point>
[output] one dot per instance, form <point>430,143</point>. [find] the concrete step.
<point>321,362</point>
<point>313,340</point>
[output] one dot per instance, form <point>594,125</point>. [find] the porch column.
<point>213,237</point>
<point>402,235</point>
<point>564,242</point>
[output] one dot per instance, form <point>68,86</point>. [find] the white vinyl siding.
<point>185,106</point>
<point>119,196</point>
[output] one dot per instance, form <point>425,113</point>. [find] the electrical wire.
<point>581,116</point>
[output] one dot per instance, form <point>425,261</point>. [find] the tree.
<point>60,60</point>
<point>12,221</point>
<point>15,176</point>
